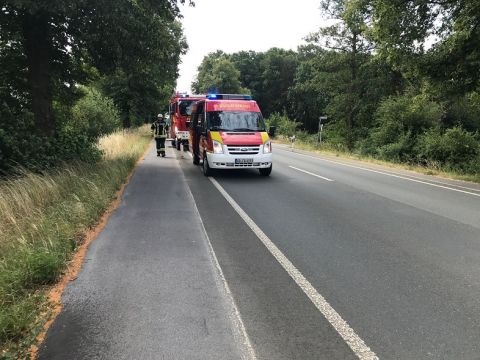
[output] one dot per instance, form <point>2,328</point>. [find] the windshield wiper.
<point>245,129</point>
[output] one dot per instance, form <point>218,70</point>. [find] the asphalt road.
<point>324,259</point>
<point>149,287</point>
<point>396,254</point>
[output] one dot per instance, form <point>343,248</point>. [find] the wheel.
<point>178,145</point>
<point>196,160</point>
<point>173,143</point>
<point>185,147</point>
<point>266,171</point>
<point>207,171</point>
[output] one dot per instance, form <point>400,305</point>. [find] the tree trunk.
<point>353,91</point>
<point>38,44</point>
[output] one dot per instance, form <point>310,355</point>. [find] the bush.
<point>456,149</point>
<point>94,115</point>
<point>399,121</point>
<point>284,126</point>
<point>466,111</point>
<point>400,151</point>
<point>76,135</point>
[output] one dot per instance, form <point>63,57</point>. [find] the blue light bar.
<point>229,97</point>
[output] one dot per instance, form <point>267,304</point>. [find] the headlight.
<point>176,129</point>
<point>217,147</point>
<point>267,147</point>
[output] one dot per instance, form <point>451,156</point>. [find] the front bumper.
<point>228,161</point>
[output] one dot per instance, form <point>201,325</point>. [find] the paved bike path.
<point>149,287</point>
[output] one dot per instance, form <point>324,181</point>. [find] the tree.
<point>249,63</point>
<point>347,39</point>
<point>308,96</point>
<point>437,40</point>
<point>204,72</point>
<point>55,37</point>
<point>278,73</point>
<point>217,73</point>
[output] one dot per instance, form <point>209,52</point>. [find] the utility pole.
<point>320,128</point>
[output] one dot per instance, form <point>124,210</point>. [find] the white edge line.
<point>310,173</point>
<point>358,346</point>
<point>392,175</point>
<point>239,329</point>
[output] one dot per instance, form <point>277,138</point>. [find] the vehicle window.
<point>235,121</point>
<point>185,107</point>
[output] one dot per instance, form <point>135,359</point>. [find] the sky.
<point>235,25</point>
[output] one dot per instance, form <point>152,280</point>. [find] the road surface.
<point>325,259</point>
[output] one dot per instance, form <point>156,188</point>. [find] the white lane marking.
<point>355,343</point>
<point>393,175</point>
<point>239,327</point>
<point>310,173</point>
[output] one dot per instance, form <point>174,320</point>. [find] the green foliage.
<point>397,115</point>
<point>284,126</point>
<point>278,73</point>
<point>249,63</point>
<point>465,111</point>
<point>455,149</point>
<point>130,49</point>
<point>399,120</point>
<point>217,73</point>
<point>94,115</point>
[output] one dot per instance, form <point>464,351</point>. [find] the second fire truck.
<point>180,109</point>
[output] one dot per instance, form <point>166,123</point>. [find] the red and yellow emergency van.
<point>228,132</point>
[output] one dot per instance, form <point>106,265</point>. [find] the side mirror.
<point>271,131</point>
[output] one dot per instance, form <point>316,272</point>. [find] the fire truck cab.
<point>228,132</point>
<point>180,110</point>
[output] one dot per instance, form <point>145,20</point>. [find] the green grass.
<point>43,219</point>
<point>326,149</point>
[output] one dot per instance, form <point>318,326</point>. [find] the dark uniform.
<point>159,130</point>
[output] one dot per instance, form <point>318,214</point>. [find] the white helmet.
<point>160,116</point>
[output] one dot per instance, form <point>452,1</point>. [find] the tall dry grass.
<point>42,220</point>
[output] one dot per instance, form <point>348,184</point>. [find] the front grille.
<point>243,149</point>
<point>233,165</point>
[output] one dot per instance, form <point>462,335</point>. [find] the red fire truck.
<point>228,132</point>
<point>180,109</point>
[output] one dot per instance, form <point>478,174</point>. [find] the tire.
<point>196,160</point>
<point>173,143</point>
<point>266,171</point>
<point>207,171</point>
<point>178,144</point>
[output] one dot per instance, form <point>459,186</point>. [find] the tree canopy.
<point>398,80</point>
<point>130,50</point>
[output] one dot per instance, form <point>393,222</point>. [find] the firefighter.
<point>159,130</point>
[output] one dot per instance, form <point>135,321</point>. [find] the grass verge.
<point>43,220</point>
<point>427,170</point>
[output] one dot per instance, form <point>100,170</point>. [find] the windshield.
<point>185,107</point>
<point>235,121</point>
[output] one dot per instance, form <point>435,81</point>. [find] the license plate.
<point>243,161</point>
